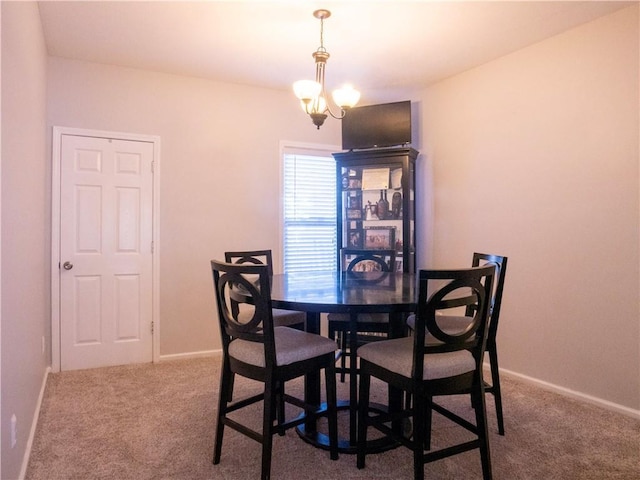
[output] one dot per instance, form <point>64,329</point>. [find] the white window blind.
<point>309,211</point>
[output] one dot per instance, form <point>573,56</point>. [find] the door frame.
<point>56,178</point>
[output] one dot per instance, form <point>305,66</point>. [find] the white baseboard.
<point>573,394</point>
<point>200,354</point>
<point>34,425</point>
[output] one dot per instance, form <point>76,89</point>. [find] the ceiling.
<point>375,45</point>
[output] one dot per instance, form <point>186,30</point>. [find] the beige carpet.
<point>156,422</point>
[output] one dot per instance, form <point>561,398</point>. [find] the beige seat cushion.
<point>281,318</point>
<point>285,318</point>
<point>397,356</point>
<point>291,346</point>
<point>448,323</point>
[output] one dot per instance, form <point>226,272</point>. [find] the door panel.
<point>106,237</point>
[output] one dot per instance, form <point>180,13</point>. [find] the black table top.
<point>342,292</point>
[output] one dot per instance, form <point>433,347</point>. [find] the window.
<point>309,215</point>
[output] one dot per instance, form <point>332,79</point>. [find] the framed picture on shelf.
<point>354,213</point>
<point>355,183</point>
<point>354,200</point>
<point>355,238</point>
<point>375,178</point>
<point>367,266</point>
<point>379,238</point>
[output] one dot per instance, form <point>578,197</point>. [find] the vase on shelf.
<point>383,205</point>
<point>396,205</point>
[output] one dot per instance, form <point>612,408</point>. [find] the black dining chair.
<point>449,322</point>
<point>256,349</point>
<point>428,366</point>
<point>371,326</point>
<point>281,318</point>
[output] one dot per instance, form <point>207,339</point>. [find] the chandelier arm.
<point>337,117</point>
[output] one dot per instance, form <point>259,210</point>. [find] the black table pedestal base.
<point>321,440</point>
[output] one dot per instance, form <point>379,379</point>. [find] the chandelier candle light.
<point>312,93</point>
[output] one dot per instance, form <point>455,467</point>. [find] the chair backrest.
<point>440,290</point>
<point>359,260</point>
<point>256,257</point>
<point>246,284</point>
<point>498,286</point>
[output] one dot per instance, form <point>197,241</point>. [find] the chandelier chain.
<point>321,48</point>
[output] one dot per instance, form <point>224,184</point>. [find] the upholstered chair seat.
<point>397,356</point>
<point>291,346</point>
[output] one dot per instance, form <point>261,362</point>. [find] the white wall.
<point>25,225</point>
<point>535,156</point>
<point>220,171</point>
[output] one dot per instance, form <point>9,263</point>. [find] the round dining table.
<point>352,293</point>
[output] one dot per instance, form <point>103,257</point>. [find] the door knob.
<point>67,265</point>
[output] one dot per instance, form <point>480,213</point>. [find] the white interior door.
<point>106,252</point>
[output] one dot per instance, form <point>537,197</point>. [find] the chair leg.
<point>226,391</point>
<point>332,409</point>
<point>339,336</point>
<point>495,388</point>
<point>280,403</point>
<point>363,415</point>
<point>343,357</point>
<point>232,379</point>
<point>483,433</point>
<point>421,433</point>
<point>270,389</point>
<point>428,419</point>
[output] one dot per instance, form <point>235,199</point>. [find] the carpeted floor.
<point>156,422</point>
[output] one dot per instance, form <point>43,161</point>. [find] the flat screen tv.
<point>384,125</point>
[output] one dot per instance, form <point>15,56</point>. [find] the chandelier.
<point>312,94</point>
